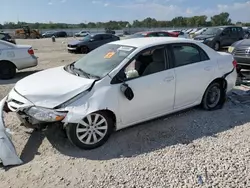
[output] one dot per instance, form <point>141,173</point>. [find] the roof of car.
<point>141,42</point>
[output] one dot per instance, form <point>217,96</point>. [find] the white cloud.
<point>161,10</point>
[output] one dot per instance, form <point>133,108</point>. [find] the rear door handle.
<point>168,78</point>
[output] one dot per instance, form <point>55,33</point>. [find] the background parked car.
<point>82,34</point>
<point>246,33</point>
<point>6,37</point>
<point>15,57</point>
<point>57,34</point>
<point>152,34</point>
<point>217,37</point>
<point>91,42</point>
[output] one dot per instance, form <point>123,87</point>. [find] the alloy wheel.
<point>92,129</point>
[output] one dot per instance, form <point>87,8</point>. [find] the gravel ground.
<point>194,148</point>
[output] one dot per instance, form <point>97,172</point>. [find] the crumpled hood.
<point>51,87</point>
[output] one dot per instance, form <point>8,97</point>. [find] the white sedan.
<point>121,84</point>
<point>15,57</point>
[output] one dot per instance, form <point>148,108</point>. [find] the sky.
<point>81,11</point>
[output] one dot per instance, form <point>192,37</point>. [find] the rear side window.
<point>240,30</point>
<point>185,54</point>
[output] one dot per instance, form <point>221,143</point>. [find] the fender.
<point>226,74</point>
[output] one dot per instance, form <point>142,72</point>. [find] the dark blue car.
<point>91,42</point>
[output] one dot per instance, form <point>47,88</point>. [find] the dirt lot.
<point>194,148</point>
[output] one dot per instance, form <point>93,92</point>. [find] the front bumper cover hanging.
<point>8,155</point>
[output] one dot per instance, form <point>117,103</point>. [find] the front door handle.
<point>168,78</point>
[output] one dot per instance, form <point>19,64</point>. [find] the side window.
<point>98,37</point>
<point>162,34</point>
<point>147,62</point>
<point>234,31</point>
<point>107,37</point>
<point>227,31</point>
<point>186,54</point>
<point>152,35</point>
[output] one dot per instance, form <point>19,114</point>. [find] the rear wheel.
<point>213,96</point>
<point>7,70</point>
<point>92,132</point>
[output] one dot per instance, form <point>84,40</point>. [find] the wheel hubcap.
<point>213,96</point>
<point>92,129</point>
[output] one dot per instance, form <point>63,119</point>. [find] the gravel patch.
<point>194,148</point>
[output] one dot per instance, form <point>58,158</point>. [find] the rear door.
<point>194,71</point>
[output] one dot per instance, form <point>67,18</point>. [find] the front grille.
<point>242,52</point>
<point>14,104</point>
<point>71,46</point>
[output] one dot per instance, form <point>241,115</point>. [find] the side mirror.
<point>132,74</point>
<point>223,33</point>
<point>127,91</point>
<point>91,40</point>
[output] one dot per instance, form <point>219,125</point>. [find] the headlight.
<point>209,39</point>
<point>47,115</point>
<point>230,49</point>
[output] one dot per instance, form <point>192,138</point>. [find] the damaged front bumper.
<point>8,155</point>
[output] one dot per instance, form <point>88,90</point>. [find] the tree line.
<point>195,21</point>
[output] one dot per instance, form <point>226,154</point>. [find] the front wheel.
<point>217,46</point>
<point>7,70</point>
<point>213,96</point>
<point>92,132</point>
<point>84,50</point>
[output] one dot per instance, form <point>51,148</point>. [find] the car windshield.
<point>212,31</point>
<point>87,38</point>
<point>99,62</point>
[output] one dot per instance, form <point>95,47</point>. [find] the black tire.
<point>7,70</point>
<point>71,131</point>
<point>210,103</point>
<point>217,46</point>
<point>84,50</point>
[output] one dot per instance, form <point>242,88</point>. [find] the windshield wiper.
<point>79,70</point>
<point>83,72</point>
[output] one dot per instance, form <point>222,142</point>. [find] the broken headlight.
<point>47,115</point>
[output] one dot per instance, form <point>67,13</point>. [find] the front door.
<point>226,38</point>
<point>153,85</point>
<point>194,71</point>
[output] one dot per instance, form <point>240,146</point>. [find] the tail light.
<point>31,51</point>
<point>234,63</point>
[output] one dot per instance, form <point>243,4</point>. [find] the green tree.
<point>221,19</point>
